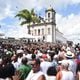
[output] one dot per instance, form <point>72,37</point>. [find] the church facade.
<point>46,30</point>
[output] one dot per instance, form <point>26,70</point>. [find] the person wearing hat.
<point>19,53</point>
<point>72,63</point>
<point>69,55</point>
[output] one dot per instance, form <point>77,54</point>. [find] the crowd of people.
<point>39,61</point>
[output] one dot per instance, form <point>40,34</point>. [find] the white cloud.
<point>6,11</point>
<point>69,25</point>
<point>46,3</point>
<point>29,4</point>
<point>76,1</point>
<point>16,31</point>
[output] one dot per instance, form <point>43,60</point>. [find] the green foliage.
<point>25,15</point>
<point>32,12</point>
<point>28,16</point>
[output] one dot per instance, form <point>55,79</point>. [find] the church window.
<point>42,31</point>
<point>32,32</point>
<point>38,31</point>
<point>48,15</point>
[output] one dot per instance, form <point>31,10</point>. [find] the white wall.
<point>60,37</point>
<point>48,37</point>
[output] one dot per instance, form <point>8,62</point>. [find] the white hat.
<point>20,51</point>
<point>69,54</point>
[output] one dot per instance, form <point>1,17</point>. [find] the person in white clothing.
<point>36,73</point>
<point>51,73</point>
<point>65,74</point>
<point>15,61</point>
<point>70,57</point>
<point>45,65</point>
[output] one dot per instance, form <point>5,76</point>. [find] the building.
<point>46,30</point>
<point>60,37</point>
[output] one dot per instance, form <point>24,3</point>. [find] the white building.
<point>46,30</point>
<point>60,37</point>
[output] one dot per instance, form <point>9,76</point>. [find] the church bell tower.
<point>50,15</point>
<point>50,20</point>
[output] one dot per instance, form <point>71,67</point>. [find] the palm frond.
<point>23,14</point>
<point>28,16</point>
<point>22,23</point>
<point>32,12</point>
<point>35,19</point>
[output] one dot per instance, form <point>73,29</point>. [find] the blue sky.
<point>74,8</point>
<point>67,16</point>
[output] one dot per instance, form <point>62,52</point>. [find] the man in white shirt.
<point>36,73</point>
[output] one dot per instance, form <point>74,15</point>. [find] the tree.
<point>28,17</point>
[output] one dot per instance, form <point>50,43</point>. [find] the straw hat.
<point>69,54</point>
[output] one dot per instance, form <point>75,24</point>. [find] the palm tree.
<point>28,17</point>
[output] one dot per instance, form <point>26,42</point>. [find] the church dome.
<point>50,9</point>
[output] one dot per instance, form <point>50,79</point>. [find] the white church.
<point>46,30</point>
